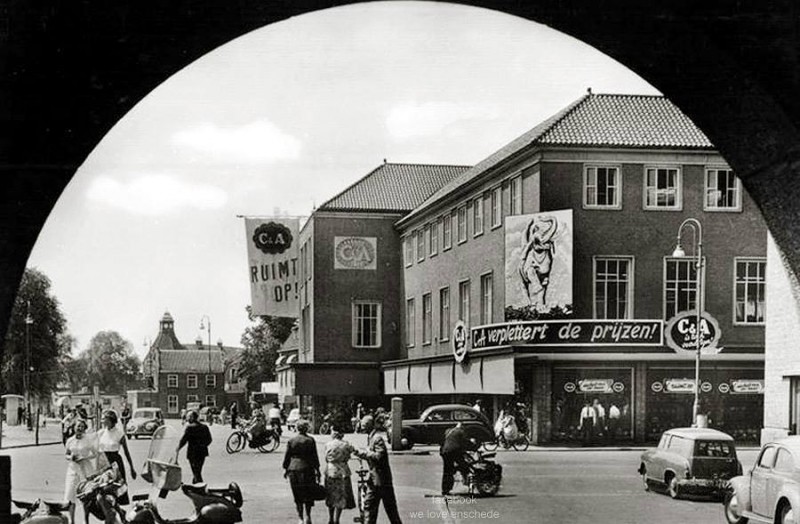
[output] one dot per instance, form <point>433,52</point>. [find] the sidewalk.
<point>19,436</point>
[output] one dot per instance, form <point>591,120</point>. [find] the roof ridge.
<point>424,164</point>
<point>561,115</point>
<point>351,186</point>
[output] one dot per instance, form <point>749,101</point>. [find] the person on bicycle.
<point>275,418</point>
<point>379,486</point>
<point>453,450</point>
<point>257,429</point>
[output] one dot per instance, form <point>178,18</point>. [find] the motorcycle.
<point>484,475</point>
<point>99,494</point>
<point>41,512</point>
<point>211,506</point>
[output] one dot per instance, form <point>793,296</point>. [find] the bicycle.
<point>362,473</point>
<point>241,437</point>
<point>521,443</point>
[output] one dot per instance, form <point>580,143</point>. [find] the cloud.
<point>259,142</point>
<point>156,194</point>
<point>412,120</point>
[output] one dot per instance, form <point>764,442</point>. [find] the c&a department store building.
<point>573,225</point>
<point>554,259</point>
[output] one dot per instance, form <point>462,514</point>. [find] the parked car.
<point>432,424</point>
<point>691,461</point>
<point>207,413</point>
<point>144,422</point>
<point>291,420</point>
<point>190,406</point>
<point>770,491</point>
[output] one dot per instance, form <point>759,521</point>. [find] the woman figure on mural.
<point>536,260</point>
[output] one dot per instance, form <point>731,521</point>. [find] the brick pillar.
<point>639,401</point>
<point>541,384</point>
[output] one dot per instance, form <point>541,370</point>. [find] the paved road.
<point>540,486</point>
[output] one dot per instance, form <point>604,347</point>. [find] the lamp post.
<point>697,237</point>
<point>202,327</point>
<point>27,374</point>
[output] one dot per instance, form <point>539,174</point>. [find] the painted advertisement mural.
<point>538,275</point>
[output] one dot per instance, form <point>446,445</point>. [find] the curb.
<point>20,446</point>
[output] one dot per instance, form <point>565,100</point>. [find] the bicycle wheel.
<point>490,445</point>
<point>325,428</point>
<point>235,442</point>
<point>522,443</point>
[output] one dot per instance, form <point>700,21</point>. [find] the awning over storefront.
<point>337,379</point>
<point>479,375</point>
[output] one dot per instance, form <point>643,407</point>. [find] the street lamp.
<point>697,238</point>
<point>27,374</point>
<point>202,327</point>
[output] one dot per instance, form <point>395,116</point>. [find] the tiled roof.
<point>191,360</point>
<point>393,187</point>
<point>292,343</point>
<point>595,120</point>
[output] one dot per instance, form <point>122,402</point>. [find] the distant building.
<point>177,374</point>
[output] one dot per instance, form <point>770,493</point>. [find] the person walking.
<point>587,422</point>
<point>337,476</point>
<point>198,437</point>
<point>301,467</point>
<point>110,439</point>
<point>81,451</point>
<point>600,419</point>
<point>452,451</point>
<point>613,421</point>
<point>275,418</point>
<point>68,425</point>
<point>234,414</point>
<point>379,485</point>
<point>125,415</point>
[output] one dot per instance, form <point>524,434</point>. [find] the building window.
<point>211,400</point>
<point>662,188</point>
<point>433,240</point>
<point>613,288</point>
<point>751,286</point>
<point>447,232</point>
<point>191,381</point>
<point>461,224</point>
<point>172,381</point>
<point>366,324</point>
<point>723,190</point>
<point>444,314</point>
<point>420,245</point>
<point>211,381</point>
<point>232,376</point>
<point>477,222</point>
<point>680,286</point>
<point>192,398</point>
<point>516,195</point>
<point>172,403</point>
<point>497,206</point>
<point>463,301</point>
<point>601,187</point>
<point>427,318</point>
<point>487,298</point>
<point>410,335</point>
<point>409,249</point>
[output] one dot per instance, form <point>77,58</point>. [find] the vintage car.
<point>770,491</point>
<point>691,461</point>
<point>144,421</point>
<point>432,424</point>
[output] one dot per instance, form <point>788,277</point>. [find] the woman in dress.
<point>82,451</point>
<point>301,467</point>
<point>110,439</point>
<point>337,476</point>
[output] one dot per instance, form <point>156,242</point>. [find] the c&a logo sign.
<point>272,238</point>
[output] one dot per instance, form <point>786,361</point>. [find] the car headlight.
<point>150,426</point>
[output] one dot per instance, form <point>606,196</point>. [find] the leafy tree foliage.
<point>46,331</point>
<point>109,363</point>
<point>261,342</point>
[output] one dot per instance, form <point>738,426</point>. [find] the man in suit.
<point>379,484</point>
<point>198,437</point>
<point>452,451</point>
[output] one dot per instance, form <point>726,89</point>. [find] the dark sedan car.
<point>431,426</point>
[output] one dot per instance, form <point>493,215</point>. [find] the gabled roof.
<point>595,120</point>
<point>397,188</point>
<point>191,361</point>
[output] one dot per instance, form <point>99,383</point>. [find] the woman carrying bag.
<point>301,467</point>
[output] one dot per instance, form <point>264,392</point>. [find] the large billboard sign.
<point>569,333</point>
<point>272,265</point>
<point>538,273</point>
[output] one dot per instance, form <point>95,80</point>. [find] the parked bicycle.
<point>266,442</point>
<point>363,474</point>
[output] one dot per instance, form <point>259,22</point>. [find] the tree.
<point>110,363</point>
<point>261,342</point>
<point>46,332</point>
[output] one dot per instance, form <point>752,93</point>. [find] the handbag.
<point>318,491</point>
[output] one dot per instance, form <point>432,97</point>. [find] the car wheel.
<point>733,510</point>
<point>673,489</point>
<point>786,514</point>
<point>522,443</point>
<point>406,442</point>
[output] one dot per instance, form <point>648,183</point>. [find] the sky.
<point>277,122</point>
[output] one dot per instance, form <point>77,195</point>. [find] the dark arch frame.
<point>70,70</point>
